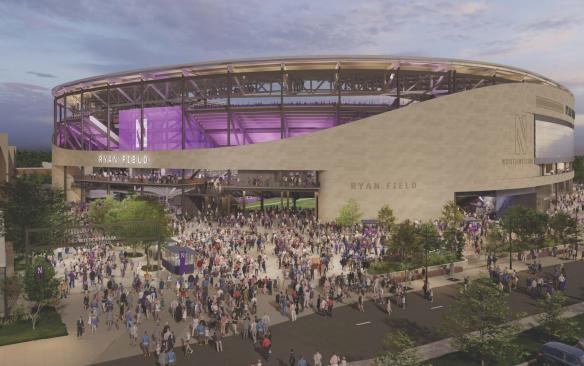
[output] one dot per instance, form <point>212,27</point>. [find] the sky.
<point>46,43</point>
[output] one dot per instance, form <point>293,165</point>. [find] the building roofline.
<point>222,66</point>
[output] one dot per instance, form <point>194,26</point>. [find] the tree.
<point>40,286</point>
<point>27,204</point>
<point>553,325</point>
<point>134,221</point>
<point>495,242</point>
<point>398,350</point>
<point>479,317</point>
<point>11,287</point>
<point>452,215</point>
<point>404,239</point>
<point>350,214</point>
<point>385,218</point>
<point>562,228</point>
<point>32,158</point>
<point>427,238</point>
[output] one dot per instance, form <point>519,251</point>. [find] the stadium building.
<point>410,132</point>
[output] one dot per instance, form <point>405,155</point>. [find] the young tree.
<point>479,317</point>
<point>386,218</point>
<point>136,221</point>
<point>350,214</point>
<point>403,240</point>
<point>562,228</point>
<point>41,287</point>
<point>452,215</point>
<point>553,325</point>
<point>427,239</point>
<point>398,350</point>
<point>496,242</point>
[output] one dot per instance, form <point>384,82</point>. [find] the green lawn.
<point>275,202</point>
<point>530,342</point>
<point>50,325</point>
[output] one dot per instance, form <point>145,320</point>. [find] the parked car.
<point>556,353</point>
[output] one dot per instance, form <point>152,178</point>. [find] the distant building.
<point>7,159</point>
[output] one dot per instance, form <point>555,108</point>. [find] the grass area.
<point>530,342</point>
<point>275,202</point>
<point>50,325</point>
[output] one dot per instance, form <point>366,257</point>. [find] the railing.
<point>265,183</point>
<point>163,181</point>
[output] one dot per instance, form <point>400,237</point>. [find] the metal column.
<point>228,107</point>
<point>142,115</point>
<point>82,138</point>
<point>338,85</point>
<point>54,121</point>
<point>397,88</point>
<point>182,115</point>
<point>282,121</point>
<point>65,129</point>
<point>109,127</point>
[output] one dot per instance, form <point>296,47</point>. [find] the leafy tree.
<point>386,218</point>
<point>350,214</point>
<point>32,158</point>
<point>553,325</point>
<point>398,350</point>
<point>40,286</point>
<point>427,239</point>
<point>525,229</point>
<point>562,228</point>
<point>26,204</point>
<point>404,239</point>
<point>479,317</point>
<point>579,169</point>
<point>134,221</point>
<point>454,241</point>
<point>452,215</point>
<point>11,287</point>
<point>496,242</point>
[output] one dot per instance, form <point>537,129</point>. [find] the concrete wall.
<point>413,159</point>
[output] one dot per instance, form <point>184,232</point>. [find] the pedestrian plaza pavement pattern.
<point>358,335</point>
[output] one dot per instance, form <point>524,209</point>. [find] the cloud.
<point>27,114</point>
<point>41,74</point>
<point>552,24</point>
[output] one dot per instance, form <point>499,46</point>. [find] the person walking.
<point>218,338</point>
<point>145,344</point>
<point>317,359</point>
<point>334,361</point>
<point>360,303</point>
<point>267,347</point>
<point>302,361</point>
<point>292,358</point>
<point>388,307</point>
<point>80,327</point>
<point>292,312</point>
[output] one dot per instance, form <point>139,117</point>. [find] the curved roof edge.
<point>220,66</point>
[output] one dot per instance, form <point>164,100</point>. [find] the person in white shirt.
<point>317,359</point>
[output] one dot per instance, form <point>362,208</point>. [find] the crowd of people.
<point>245,264</point>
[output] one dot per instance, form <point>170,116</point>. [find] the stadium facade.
<point>410,132</point>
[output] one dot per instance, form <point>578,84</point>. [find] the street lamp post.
<point>510,252</point>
